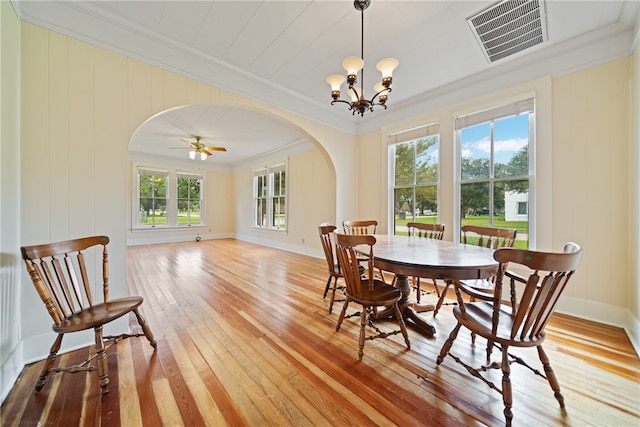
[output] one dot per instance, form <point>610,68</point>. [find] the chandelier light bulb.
<point>335,81</point>
<point>386,66</point>
<point>192,154</point>
<point>353,64</point>
<point>203,156</point>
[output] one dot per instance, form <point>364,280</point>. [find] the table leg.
<point>409,309</point>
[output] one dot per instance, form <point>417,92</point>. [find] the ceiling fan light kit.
<point>198,147</point>
<point>353,64</point>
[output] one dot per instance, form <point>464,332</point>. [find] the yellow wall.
<point>80,106</point>
<point>634,199</point>
<point>582,180</point>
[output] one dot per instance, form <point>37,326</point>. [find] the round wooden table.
<point>435,259</point>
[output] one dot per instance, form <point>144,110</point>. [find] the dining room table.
<point>412,256</point>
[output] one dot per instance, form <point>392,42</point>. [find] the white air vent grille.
<point>509,27</point>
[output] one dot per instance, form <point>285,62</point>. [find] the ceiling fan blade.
<point>204,150</point>
<point>215,148</point>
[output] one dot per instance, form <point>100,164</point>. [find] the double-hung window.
<point>270,197</point>
<point>416,174</point>
<point>167,198</point>
<point>189,198</point>
<point>152,197</point>
<point>495,169</point>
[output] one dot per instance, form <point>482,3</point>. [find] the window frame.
<point>266,205</point>
<point>171,174</point>
<point>498,111</point>
<point>413,136</point>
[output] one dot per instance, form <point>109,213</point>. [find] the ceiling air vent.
<point>509,27</point>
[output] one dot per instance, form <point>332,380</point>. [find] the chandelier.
<point>353,64</point>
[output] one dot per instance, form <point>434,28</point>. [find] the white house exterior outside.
<point>516,206</point>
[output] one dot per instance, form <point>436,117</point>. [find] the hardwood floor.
<point>244,338</point>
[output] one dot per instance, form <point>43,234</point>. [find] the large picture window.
<point>416,162</point>
<point>168,198</point>
<point>494,179</point>
<point>270,197</point>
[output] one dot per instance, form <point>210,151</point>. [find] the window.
<point>269,197</point>
<point>495,168</point>
<point>152,197</point>
<point>189,199</point>
<point>415,155</point>
<point>167,198</point>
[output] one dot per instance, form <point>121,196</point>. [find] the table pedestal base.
<point>409,309</point>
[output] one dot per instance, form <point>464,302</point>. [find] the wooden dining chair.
<point>365,289</point>
<point>427,231</point>
<point>521,324</point>
<point>326,231</point>
<point>359,228</point>
<point>61,277</point>
<point>488,237</point>
<point>368,226</point>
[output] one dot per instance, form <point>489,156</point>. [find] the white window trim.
<point>493,110</point>
<point>172,197</point>
<point>268,171</point>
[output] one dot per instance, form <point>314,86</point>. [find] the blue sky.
<point>510,136</point>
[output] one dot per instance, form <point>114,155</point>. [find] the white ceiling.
<point>280,52</point>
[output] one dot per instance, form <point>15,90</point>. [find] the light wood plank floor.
<point>244,338</point>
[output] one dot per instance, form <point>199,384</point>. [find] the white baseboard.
<point>603,313</point>
<point>10,371</point>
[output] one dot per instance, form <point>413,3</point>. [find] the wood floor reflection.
<point>244,338</point>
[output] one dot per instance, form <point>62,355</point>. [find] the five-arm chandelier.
<point>353,64</point>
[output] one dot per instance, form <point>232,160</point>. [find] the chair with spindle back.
<point>359,228</point>
<point>427,231</point>
<point>365,289</point>
<point>488,237</point>
<point>519,324</point>
<point>326,231</point>
<point>62,279</point>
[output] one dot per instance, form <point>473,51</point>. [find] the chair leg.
<point>326,288</point>
<point>342,313</point>
<point>101,360</point>
<point>416,280</point>
<point>507,397</point>
<point>333,294</point>
<point>145,328</point>
<point>48,364</point>
<point>447,344</point>
<point>551,376</point>
<point>441,298</point>
<point>403,327</point>
<point>363,326</point>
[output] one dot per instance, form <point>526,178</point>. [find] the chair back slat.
<point>326,230</point>
<point>355,282</point>
<point>360,227</point>
<point>488,237</point>
<point>550,273</point>
<point>61,277</point>
<point>429,231</point>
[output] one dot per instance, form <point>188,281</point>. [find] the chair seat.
<point>381,294</point>
<point>98,315</point>
<point>478,288</point>
<point>478,319</point>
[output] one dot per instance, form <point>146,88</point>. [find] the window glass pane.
<point>474,204</point>
<point>475,152</point>
<point>405,163</point>
<point>516,210</point>
<point>511,146</point>
<point>426,209</point>
<point>152,190</point>
<point>427,161</point>
<point>404,208</point>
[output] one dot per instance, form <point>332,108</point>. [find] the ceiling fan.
<point>197,147</point>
